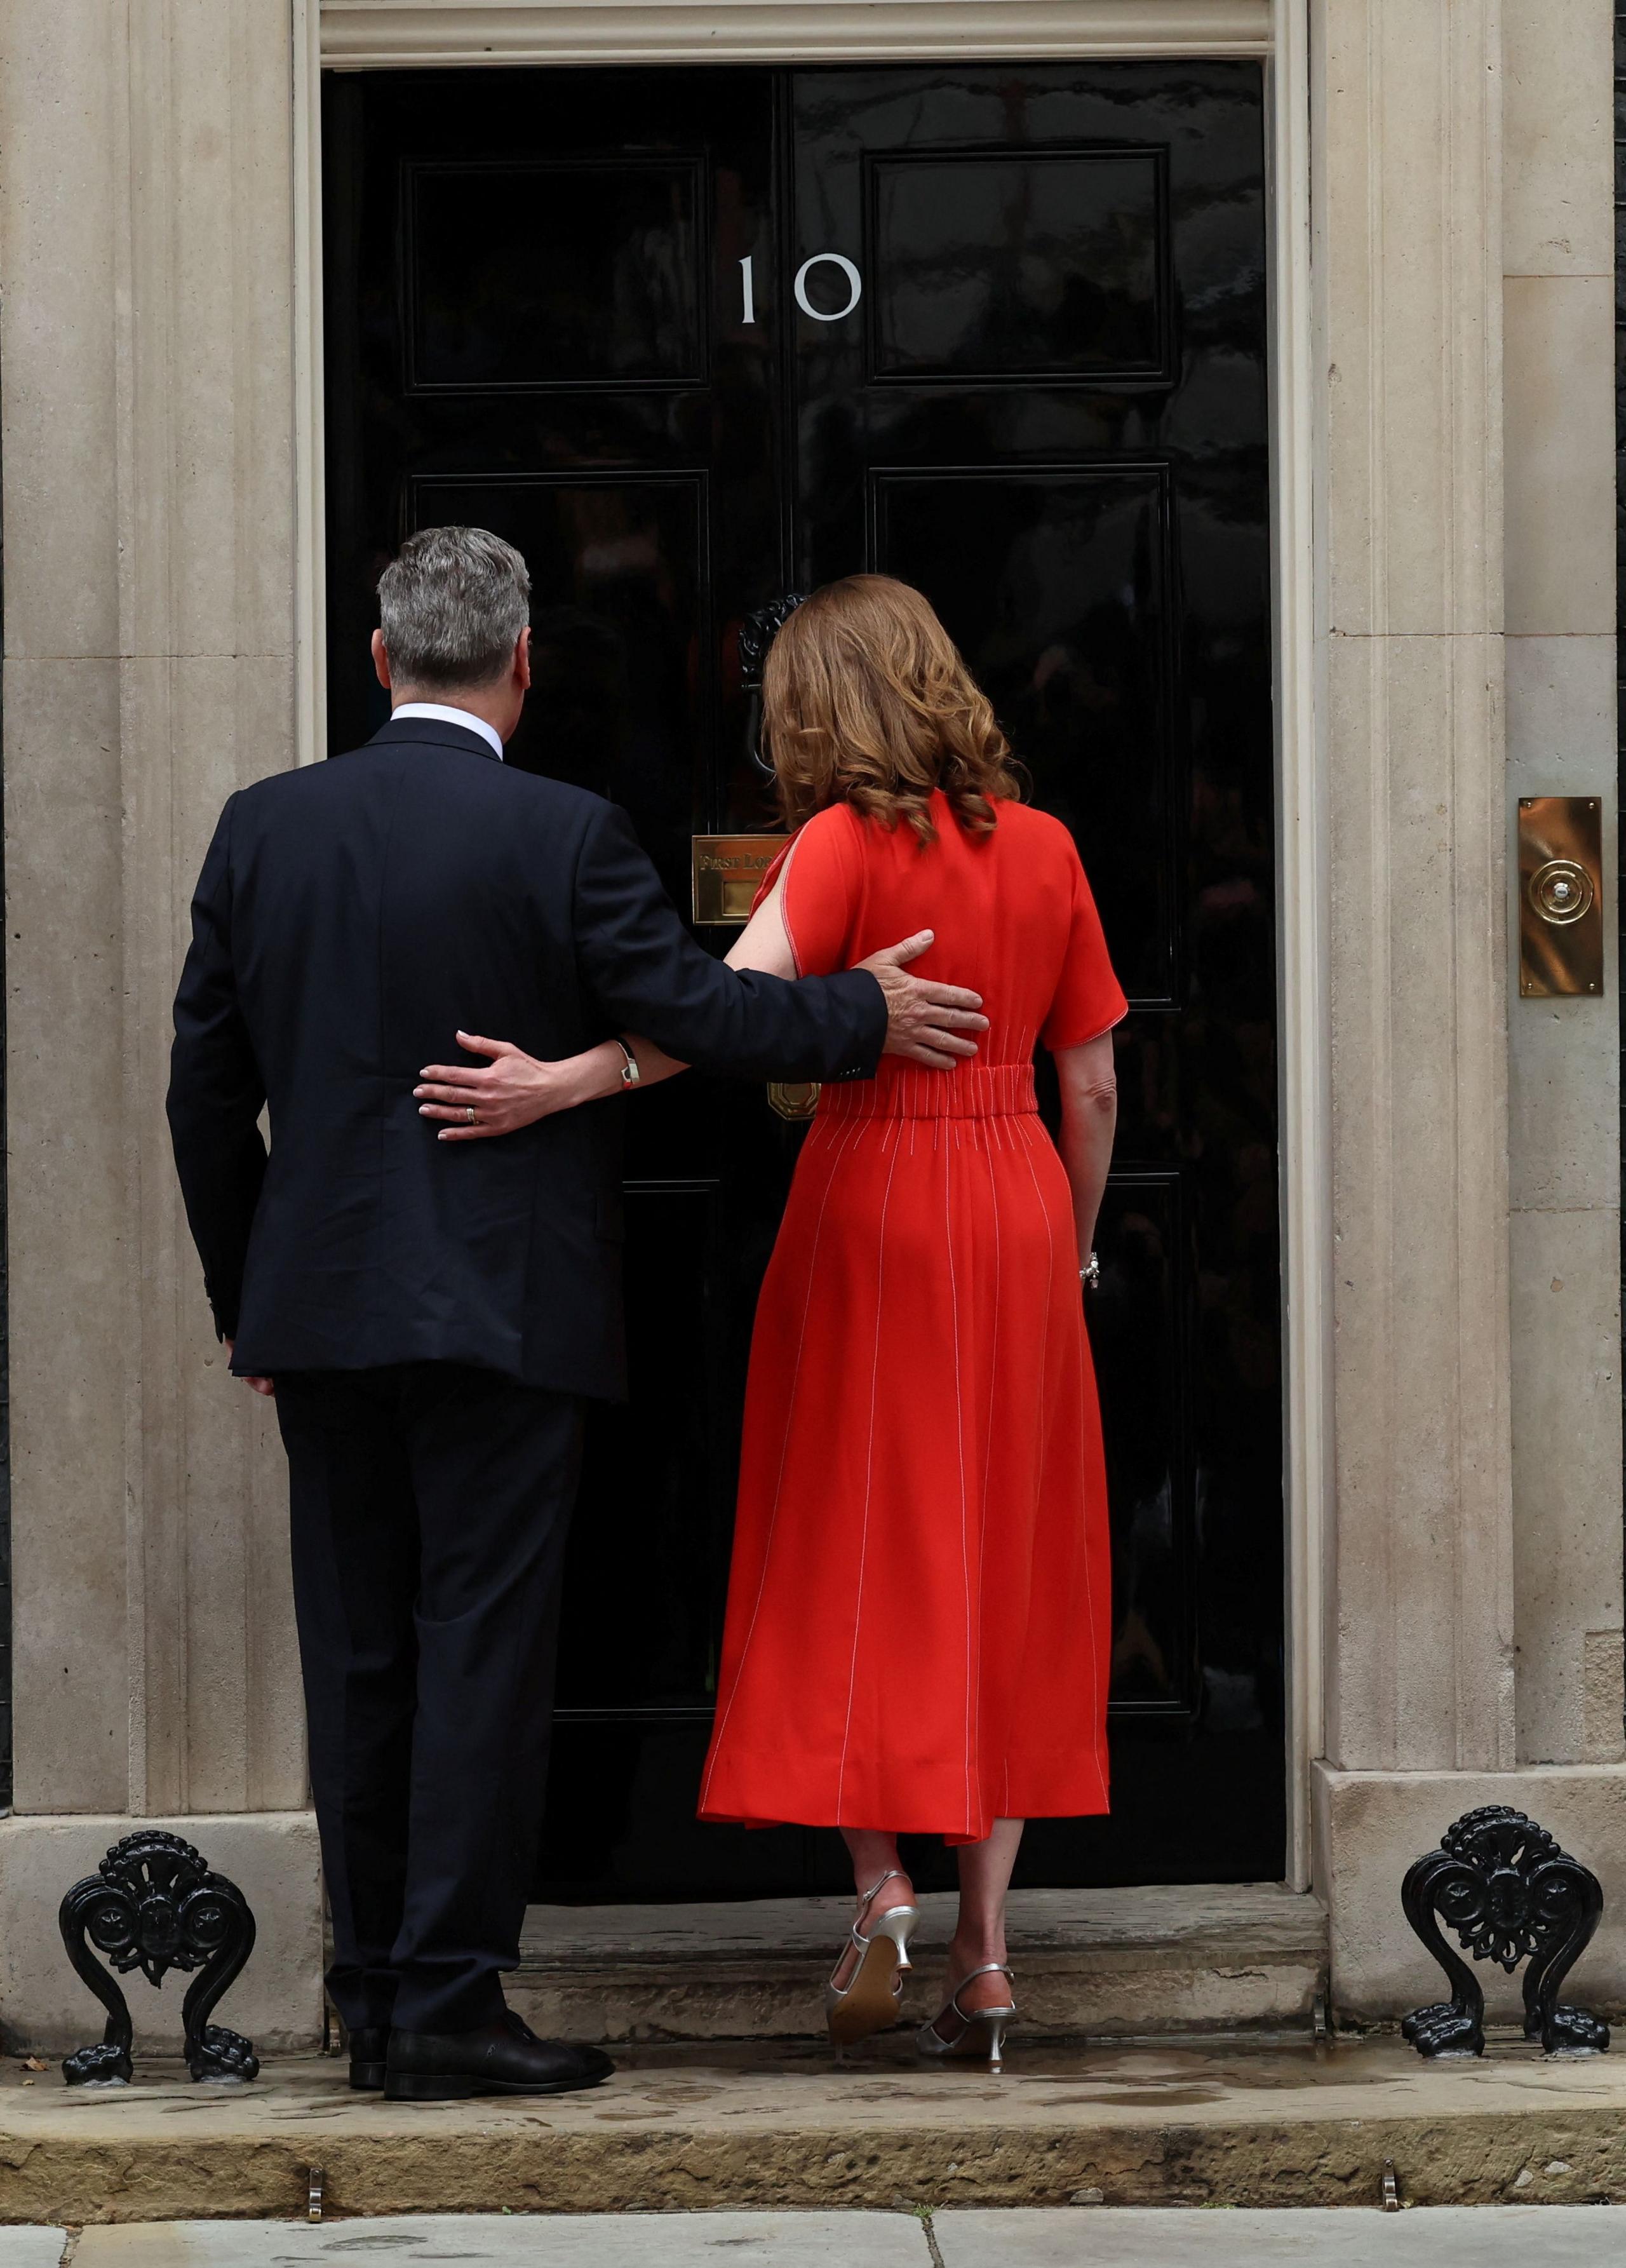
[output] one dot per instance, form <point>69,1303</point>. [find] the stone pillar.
<point>1463,216</point>
<point>146,358</point>
<point>1408,272</point>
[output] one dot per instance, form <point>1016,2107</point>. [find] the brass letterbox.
<point>728,869</point>
<point>1560,895</point>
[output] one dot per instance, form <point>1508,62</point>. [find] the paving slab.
<point>1474,2237</point>
<point>637,2240</point>
<point>1441,2236</point>
<point>703,2128</point>
<point>32,2248</point>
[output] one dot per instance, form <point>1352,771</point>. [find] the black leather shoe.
<point>504,2058</point>
<point>369,2048</point>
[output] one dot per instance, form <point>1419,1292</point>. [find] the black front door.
<point>693,338</point>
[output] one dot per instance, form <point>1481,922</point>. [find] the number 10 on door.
<point>855,287</point>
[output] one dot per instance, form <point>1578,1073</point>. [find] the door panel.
<point>987,266</point>
<point>690,339</point>
<point>583,273</point>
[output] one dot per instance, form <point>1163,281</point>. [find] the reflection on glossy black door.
<point>693,338</point>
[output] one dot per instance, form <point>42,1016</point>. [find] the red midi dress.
<point>919,1603</point>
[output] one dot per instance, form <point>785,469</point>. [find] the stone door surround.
<point>1436,293</point>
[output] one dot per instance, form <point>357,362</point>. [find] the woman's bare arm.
<point>1089,1121</point>
<point>764,943</point>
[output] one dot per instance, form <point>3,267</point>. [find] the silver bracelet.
<point>1090,1274</point>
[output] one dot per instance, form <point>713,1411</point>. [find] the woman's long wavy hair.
<point>866,700</point>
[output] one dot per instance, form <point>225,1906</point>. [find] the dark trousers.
<point>429,1504</point>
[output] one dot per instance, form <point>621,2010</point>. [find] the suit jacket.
<point>349,919</point>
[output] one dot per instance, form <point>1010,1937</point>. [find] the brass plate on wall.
<point>728,869</point>
<point>1560,895</point>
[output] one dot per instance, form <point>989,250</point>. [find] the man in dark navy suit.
<point>431,1316</point>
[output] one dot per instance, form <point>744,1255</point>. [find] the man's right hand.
<point>266,1386</point>
<point>926,1022</point>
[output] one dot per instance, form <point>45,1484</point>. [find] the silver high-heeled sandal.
<point>982,2029</point>
<point>873,1994</point>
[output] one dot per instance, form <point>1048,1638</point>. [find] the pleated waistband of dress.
<point>900,1090</point>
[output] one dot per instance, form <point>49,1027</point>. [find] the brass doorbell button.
<point>1560,891</point>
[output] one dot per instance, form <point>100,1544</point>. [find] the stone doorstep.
<point>1122,1964</point>
<point>1222,2123</point>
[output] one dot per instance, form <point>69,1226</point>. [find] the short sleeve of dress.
<point>823,867</point>
<point>1088,999</point>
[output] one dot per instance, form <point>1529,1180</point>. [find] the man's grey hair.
<point>451,605</point>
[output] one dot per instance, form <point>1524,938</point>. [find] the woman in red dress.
<point>918,1615</point>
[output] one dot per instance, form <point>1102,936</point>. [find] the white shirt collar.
<point>443,715</point>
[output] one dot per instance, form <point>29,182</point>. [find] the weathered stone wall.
<point>1563,1057</point>
<point>146,347</point>
<point>1465,253</point>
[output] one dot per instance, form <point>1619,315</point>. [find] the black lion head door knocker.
<point>1502,1884</point>
<point>154,1906</point>
<point>757,633</point>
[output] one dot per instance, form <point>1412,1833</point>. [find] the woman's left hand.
<point>511,1091</point>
